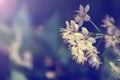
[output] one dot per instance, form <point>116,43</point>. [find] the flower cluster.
<point>81,42</point>
<point>112,39</point>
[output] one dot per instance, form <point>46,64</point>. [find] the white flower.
<point>115,69</point>
<point>111,41</point>
<point>111,28</point>
<point>82,15</point>
<point>108,21</point>
<point>94,60</point>
<point>78,54</point>
<point>80,44</point>
<point>67,33</point>
<point>87,38</point>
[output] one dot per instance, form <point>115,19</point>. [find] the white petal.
<point>110,30</point>
<point>92,40</point>
<point>67,24</point>
<point>85,31</point>
<point>81,22</point>
<point>87,18</point>
<point>81,9</point>
<point>117,32</point>
<point>114,67</point>
<point>81,52</point>
<point>77,18</point>
<point>74,25</point>
<point>89,46</point>
<point>79,36</point>
<point>87,8</point>
<point>82,45</point>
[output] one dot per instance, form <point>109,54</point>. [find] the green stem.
<point>97,37</point>
<point>95,25</point>
<point>100,41</point>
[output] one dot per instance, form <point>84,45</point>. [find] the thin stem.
<point>95,25</point>
<point>99,37</point>
<point>100,41</point>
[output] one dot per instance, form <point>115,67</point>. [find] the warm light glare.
<point>50,74</point>
<point>2,2</point>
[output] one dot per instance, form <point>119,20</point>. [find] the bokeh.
<point>31,47</point>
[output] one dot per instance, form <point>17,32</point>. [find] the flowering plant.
<point>81,42</point>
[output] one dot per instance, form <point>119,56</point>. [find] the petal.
<point>77,18</point>
<point>79,36</point>
<point>74,25</point>
<point>103,25</point>
<point>87,17</point>
<point>112,20</point>
<point>117,32</point>
<point>67,24</point>
<point>81,22</point>
<point>92,40</point>
<point>81,52</point>
<point>114,67</point>
<point>82,45</point>
<point>87,8</point>
<point>85,31</point>
<point>81,8</point>
<point>110,30</point>
<point>89,46</point>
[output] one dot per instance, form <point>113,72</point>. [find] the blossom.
<point>109,24</point>
<point>80,44</point>
<point>111,41</point>
<point>108,21</point>
<point>87,38</point>
<point>111,28</point>
<point>115,69</point>
<point>82,15</point>
<point>78,54</point>
<point>94,60</point>
<point>70,29</point>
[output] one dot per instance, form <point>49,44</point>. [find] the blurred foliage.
<point>51,59</point>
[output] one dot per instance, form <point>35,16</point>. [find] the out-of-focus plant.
<point>26,61</point>
<point>83,43</point>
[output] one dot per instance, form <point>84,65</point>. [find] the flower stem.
<point>100,41</point>
<point>95,25</point>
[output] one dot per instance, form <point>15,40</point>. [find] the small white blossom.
<point>82,15</point>
<point>108,22</point>
<point>111,41</point>
<point>115,69</point>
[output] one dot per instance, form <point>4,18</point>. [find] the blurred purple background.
<point>31,47</point>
